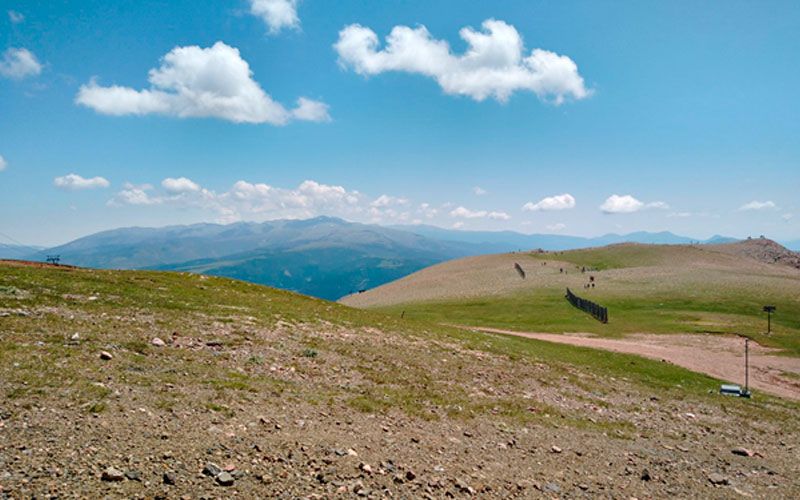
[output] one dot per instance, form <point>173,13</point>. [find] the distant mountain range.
<point>511,240</point>
<point>19,252</point>
<point>325,257</point>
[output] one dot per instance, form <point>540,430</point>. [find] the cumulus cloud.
<point>196,82</point>
<point>15,17</point>
<point>625,204</point>
<point>465,213</point>
<point>787,216</point>
<point>559,202</point>
<point>495,64</point>
<point>386,201</point>
<point>74,182</point>
<point>276,14</point>
<point>479,191</point>
<point>758,205</point>
<point>311,111</point>
<point>556,227</point>
<point>180,185</point>
<point>248,200</point>
<point>3,163</point>
<point>19,63</point>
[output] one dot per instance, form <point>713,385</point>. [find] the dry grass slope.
<point>300,397</point>
<point>647,288</point>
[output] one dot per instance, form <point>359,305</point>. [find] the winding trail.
<point>721,356</point>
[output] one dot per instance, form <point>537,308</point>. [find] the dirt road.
<point>721,356</point>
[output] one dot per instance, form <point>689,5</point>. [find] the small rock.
<point>365,468</point>
<point>106,355</point>
<point>133,475</point>
<point>225,479</point>
<point>170,478</point>
<point>717,478</point>
<point>552,487</point>
<point>410,475</point>
<point>555,449</point>
<point>75,336</point>
<point>742,452</point>
<point>646,475</point>
<point>211,469</point>
<point>158,342</point>
<point>351,452</point>
<point>112,475</point>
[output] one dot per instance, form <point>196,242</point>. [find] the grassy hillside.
<point>647,288</point>
<point>278,387</point>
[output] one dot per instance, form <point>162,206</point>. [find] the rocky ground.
<point>100,397</point>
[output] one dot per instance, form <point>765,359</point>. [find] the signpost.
<point>769,310</point>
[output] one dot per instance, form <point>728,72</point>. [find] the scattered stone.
<point>742,452</point>
<point>552,487</point>
<point>105,355</point>
<point>211,469</point>
<point>365,468</point>
<point>410,475</point>
<point>75,336</point>
<point>555,449</point>
<point>718,479</point>
<point>158,342</point>
<point>583,486</point>
<point>225,479</point>
<point>646,475</point>
<point>133,475</point>
<point>112,475</point>
<point>170,478</point>
<point>351,452</point>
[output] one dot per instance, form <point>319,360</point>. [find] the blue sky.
<point>612,116</point>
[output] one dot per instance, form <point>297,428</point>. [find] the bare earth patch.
<point>721,356</point>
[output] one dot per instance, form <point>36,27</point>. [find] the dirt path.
<point>716,355</point>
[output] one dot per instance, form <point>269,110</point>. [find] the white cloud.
<point>246,200</point>
<point>74,182</point>
<point>625,204</point>
<point>194,82</point>
<point>15,17</point>
<point>180,185</point>
<point>498,216</point>
<point>276,14</point>
<point>495,64</point>
<point>479,191</point>
<point>556,227</point>
<point>427,210</point>
<point>787,217</point>
<point>18,63</point>
<point>458,225</point>
<point>758,205</point>
<point>311,111</point>
<point>559,202</point>
<point>3,163</point>
<point>386,200</point>
<point>134,195</point>
<point>465,213</point>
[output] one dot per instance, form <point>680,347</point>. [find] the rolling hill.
<point>143,384</point>
<point>324,257</point>
<point>647,288</point>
